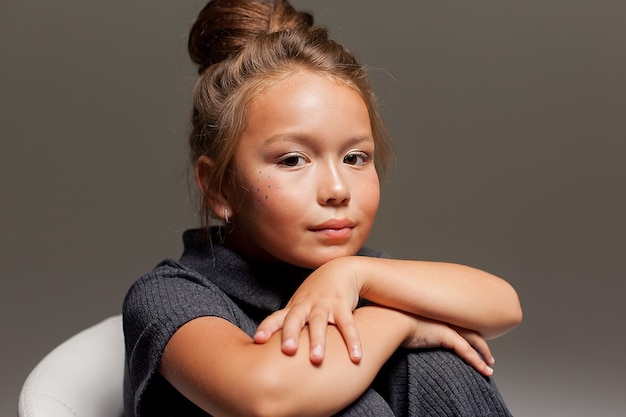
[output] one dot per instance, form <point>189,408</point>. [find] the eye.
<point>292,160</point>
<point>356,158</point>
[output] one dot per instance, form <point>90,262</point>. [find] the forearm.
<point>216,375</point>
<point>455,294</point>
<point>337,381</point>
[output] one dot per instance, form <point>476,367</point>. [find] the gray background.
<point>509,123</point>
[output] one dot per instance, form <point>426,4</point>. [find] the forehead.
<point>307,101</point>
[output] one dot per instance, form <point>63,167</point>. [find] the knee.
<point>441,383</point>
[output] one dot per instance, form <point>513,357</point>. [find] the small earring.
<point>226,219</point>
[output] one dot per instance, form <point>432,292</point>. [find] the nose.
<point>333,186</point>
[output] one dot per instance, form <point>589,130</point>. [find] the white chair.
<point>82,377</point>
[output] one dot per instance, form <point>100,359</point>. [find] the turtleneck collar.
<point>265,286</point>
<point>262,285</point>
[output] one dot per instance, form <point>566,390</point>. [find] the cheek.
<point>370,195</point>
<point>375,199</point>
<point>266,195</point>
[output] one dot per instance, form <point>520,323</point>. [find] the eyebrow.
<point>300,138</point>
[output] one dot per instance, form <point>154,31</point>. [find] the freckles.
<point>267,190</point>
<point>263,189</point>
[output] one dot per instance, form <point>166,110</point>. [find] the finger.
<point>469,354</point>
<point>350,334</point>
<point>270,325</point>
<point>318,323</point>
<point>482,347</point>
<point>480,344</point>
<point>466,352</point>
<point>293,324</point>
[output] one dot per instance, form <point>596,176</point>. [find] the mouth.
<point>334,224</point>
<point>334,229</point>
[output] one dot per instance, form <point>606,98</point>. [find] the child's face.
<point>306,188</point>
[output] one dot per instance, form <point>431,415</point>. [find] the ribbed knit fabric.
<point>442,384</point>
<point>437,383</point>
<point>210,280</point>
<point>370,404</point>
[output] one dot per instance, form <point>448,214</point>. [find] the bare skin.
<point>304,191</point>
<point>272,382</point>
<point>464,297</point>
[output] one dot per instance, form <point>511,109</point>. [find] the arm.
<point>464,297</point>
<point>216,373</point>
<point>460,295</point>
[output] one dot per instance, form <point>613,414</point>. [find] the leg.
<point>436,382</point>
<point>370,404</point>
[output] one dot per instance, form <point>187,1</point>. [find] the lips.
<point>334,224</point>
<point>334,230</point>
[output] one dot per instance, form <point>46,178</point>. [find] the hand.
<point>467,344</point>
<point>328,296</point>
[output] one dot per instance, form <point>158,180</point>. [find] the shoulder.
<point>171,288</point>
<point>170,273</point>
<point>170,295</point>
<point>169,279</point>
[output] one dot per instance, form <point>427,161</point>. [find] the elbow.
<point>509,317</point>
<point>271,394</point>
<point>262,408</point>
<point>515,314</point>
<point>513,319</point>
<point>266,407</point>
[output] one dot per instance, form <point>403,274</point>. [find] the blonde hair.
<point>243,46</point>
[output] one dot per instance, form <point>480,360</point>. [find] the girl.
<point>278,310</point>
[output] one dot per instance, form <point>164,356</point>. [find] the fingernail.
<point>317,351</point>
<point>490,370</point>
<point>356,353</point>
<point>289,343</point>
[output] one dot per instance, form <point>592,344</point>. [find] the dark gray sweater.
<point>210,280</point>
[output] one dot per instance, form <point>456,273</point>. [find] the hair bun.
<point>224,27</point>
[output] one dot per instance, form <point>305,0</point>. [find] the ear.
<point>214,197</point>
